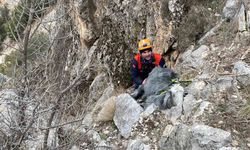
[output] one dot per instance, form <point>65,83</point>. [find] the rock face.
<point>196,137</point>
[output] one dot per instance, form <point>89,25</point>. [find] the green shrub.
<point>37,45</point>
<point>3,19</point>
<point>20,16</point>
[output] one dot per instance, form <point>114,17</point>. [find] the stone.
<point>230,9</point>
<point>137,145</point>
<point>194,137</point>
<point>204,105</point>
<point>242,71</point>
<point>195,88</point>
<point>195,59</point>
<point>179,138</point>
<point>88,121</point>
<point>177,109</point>
<point>127,113</point>
<point>189,104</point>
<point>209,137</point>
<point>149,110</point>
<point>223,83</point>
<point>167,131</point>
<point>242,19</point>
<point>98,86</point>
<point>3,79</point>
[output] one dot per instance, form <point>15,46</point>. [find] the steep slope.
<point>87,60</point>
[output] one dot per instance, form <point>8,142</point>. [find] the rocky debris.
<point>149,110</point>
<point>242,71</point>
<point>224,82</point>
<point>137,145</point>
<point>185,137</point>
<point>127,113</point>
<point>87,122</point>
<point>3,79</point>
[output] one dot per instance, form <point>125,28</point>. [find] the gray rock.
<point>149,110</point>
<point>195,88</point>
<point>209,138</point>
<point>224,83</point>
<point>242,19</point>
<point>137,145</point>
<point>94,136</point>
<point>98,86</point>
<point>242,70</point>
<point>203,106</point>
<point>88,121</point>
<point>248,19</point>
<point>189,104</point>
<point>196,137</point>
<point>196,58</point>
<point>3,79</point>
<point>127,113</point>
<point>177,108</point>
<point>177,92</point>
<point>179,138</point>
<point>159,80</point>
<point>230,9</point>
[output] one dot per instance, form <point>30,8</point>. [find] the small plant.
<point>245,111</point>
<point>11,61</point>
<point>3,19</point>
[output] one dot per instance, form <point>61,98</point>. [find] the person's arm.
<point>162,63</point>
<point>135,73</point>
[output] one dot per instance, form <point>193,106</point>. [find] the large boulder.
<point>127,113</point>
<point>196,137</point>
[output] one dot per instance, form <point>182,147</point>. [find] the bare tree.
<point>43,84</point>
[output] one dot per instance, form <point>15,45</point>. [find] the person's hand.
<point>144,81</point>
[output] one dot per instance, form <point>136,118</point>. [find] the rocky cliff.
<point>79,56</point>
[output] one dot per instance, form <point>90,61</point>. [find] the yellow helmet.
<point>144,44</point>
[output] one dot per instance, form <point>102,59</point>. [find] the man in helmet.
<point>144,62</point>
